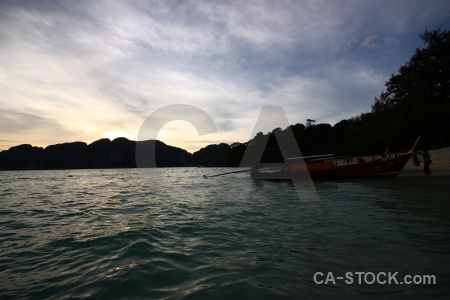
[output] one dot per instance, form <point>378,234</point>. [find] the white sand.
<point>440,160</point>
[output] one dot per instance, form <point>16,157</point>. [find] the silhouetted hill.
<point>22,157</point>
<point>211,155</point>
<point>104,153</point>
<point>66,156</point>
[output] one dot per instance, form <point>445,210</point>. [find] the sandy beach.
<point>440,161</point>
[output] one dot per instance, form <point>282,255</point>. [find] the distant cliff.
<point>211,155</point>
<point>104,153</point>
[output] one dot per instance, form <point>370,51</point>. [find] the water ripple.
<point>170,234</point>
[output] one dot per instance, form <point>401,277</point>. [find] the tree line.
<point>416,101</point>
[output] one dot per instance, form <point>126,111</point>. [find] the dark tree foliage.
<point>234,154</point>
<point>416,100</point>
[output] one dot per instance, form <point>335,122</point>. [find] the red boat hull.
<point>376,168</point>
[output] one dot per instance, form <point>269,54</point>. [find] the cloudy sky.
<point>84,70</point>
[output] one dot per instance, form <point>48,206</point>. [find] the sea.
<point>170,233</point>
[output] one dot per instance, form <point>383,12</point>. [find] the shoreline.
<point>440,164</point>
<point>440,161</point>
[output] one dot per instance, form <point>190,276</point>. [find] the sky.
<point>85,70</point>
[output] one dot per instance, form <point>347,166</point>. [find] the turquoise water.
<point>170,233</point>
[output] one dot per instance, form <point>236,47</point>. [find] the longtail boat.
<point>327,167</point>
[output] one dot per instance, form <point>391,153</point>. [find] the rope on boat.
<point>242,171</point>
<point>235,172</point>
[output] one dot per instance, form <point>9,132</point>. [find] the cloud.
<point>24,128</point>
<point>103,67</point>
<point>370,41</point>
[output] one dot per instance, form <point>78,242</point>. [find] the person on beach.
<point>426,161</point>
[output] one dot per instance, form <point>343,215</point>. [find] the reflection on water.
<point>170,233</point>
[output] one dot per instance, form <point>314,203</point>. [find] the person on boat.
<point>426,161</point>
